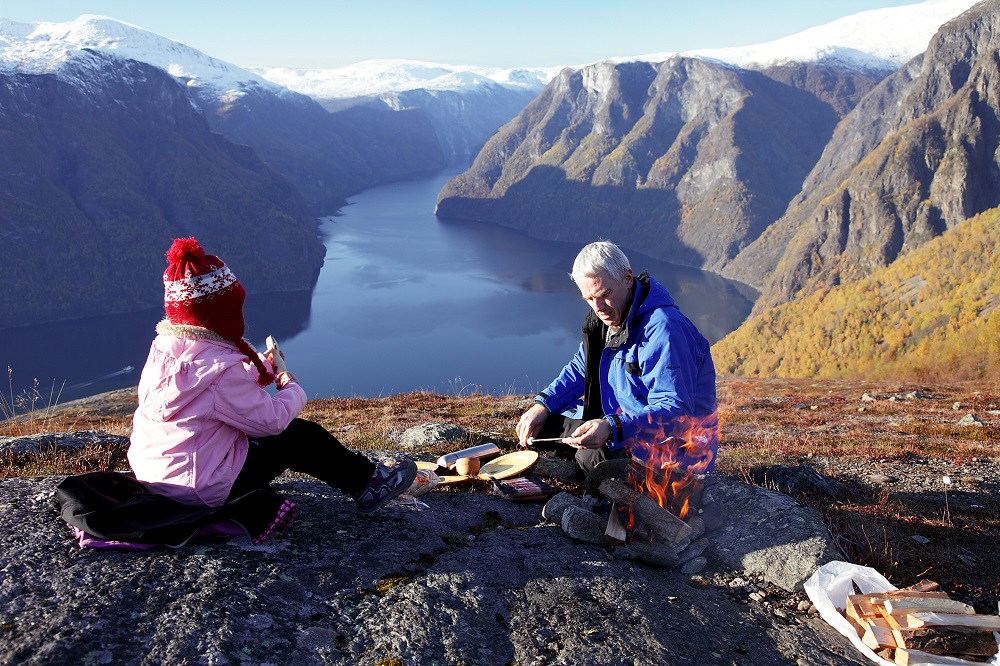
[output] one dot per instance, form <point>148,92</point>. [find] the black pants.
<point>305,447</point>
<point>557,425</point>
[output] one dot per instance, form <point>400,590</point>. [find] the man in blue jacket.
<point>642,382</point>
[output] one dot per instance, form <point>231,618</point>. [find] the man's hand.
<point>591,435</point>
<point>530,423</point>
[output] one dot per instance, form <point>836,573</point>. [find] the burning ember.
<point>657,499</point>
<point>653,511</point>
<point>667,470</point>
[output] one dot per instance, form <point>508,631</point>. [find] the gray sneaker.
<point>386,483</point>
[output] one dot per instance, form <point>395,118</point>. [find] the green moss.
<point>389,581</point>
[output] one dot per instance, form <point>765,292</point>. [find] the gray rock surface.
<point>767,533</point>
<point>422,436</point>
<point>969,420</point>
<point>553,509</point>
<point>29,444</point>
<point>472,579</point>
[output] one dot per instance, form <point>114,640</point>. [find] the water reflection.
<point>83,357</point>
<point>404,302</point>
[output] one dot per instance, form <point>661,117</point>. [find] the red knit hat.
<point>200,290</point>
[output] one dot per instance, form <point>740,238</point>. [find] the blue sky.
<point>539,33</point>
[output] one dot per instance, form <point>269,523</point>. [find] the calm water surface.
<point>403,302</point>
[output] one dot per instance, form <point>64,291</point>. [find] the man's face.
<point>605,296</point>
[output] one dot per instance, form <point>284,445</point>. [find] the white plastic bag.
<point>423,483</point>
<point>828,588</point>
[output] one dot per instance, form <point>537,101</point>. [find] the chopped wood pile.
<point>921,625</point>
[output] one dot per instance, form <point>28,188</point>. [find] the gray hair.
<point>600,258</point>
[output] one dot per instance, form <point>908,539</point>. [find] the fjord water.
<point>404,302</point>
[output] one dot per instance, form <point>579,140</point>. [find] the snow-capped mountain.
<point>371,78</point>
<point>326,155</point>
<point>41,48</point>
<point>465,104</point>
<point>875,40</point>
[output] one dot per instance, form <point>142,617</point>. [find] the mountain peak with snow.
<point>878,39</point>
<point>371,78</point>
<point>875,40</point>
<point>44,47</point>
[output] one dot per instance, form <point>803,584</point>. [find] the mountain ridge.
<point>915,156</point>
<point>93,191</point>
<point>645,153</point>
<point>895,162</point>
<point>328,156</point>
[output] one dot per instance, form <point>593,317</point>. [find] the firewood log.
<point>948,640</point>
<point>616,533</point>
<point>988,622</point>
<point>656,553</point>
<point>666,525</point>
<point>907,605</point>
<point>905,657</point>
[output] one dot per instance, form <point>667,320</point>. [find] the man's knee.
<point>588,459</point>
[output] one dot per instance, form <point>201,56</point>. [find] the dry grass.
<point>764,423</point>
<point>827,425</point>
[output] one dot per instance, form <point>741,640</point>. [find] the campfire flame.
<point>672,460</point>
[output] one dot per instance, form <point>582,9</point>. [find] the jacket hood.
<point>183,363</point>
<point>649,295</point>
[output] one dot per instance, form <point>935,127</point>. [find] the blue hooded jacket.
<point>653,381</point>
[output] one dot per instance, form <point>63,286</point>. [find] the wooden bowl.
<point>467,466</point>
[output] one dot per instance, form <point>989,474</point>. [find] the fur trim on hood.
<point>189,332</point>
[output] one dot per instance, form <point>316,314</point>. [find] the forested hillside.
<point>932,315</point>
<point>916,156</point>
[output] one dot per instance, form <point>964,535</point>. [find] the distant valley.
<point>795,178</point>
<point>798,167</point>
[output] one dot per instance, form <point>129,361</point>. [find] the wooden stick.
<point>892,620</point>
<point>878,636</point>
<point>907,605</point>
<point>616,533</point>
<point>665,524</point>
<point>990,622</point>
<point>920,586</point>
<point>881,597</point>
<point>860,606</point>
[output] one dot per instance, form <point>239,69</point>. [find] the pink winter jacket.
<point>198,401</point>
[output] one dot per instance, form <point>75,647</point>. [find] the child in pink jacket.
<point>206,431</point>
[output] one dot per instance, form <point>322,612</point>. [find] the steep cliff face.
<point>838,86</point>
<point>462,120</point>
<point>917,156</point>
<point>327,156</point>
<point>688,160</point>
<point>99,175</point>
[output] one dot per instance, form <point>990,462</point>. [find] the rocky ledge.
<point>470,578</point>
